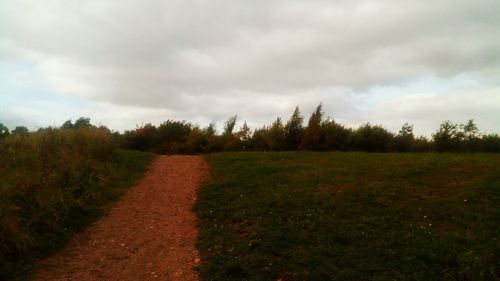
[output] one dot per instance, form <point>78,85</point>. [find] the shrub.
<point>260,139</point>
<point>141,138</point>
<point>490,143</point>
<point>171,136</point>
<point>372,138</point>
<point>422,144</point>
<point>336,136</point>
<point>49,182</point>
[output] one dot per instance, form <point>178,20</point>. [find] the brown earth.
<point>149,234</point>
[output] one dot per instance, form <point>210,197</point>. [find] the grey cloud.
<point>249,57</point>
<point>426,111</point>
<point>12,120</point>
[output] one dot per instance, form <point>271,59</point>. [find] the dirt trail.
<point>149,234</point>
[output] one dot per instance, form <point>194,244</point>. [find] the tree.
<point>372,138</point>
<point>141,138</point>
<point>447,137</point>
<point>311,138</point>
<point>244,133</point>
<point>470,134</point>
<point>336,136</point>
<point>4,131</point>
<point>276,135</point>
<point>470,129</point>
<point>196,141</point>
<point>405,138</point>
<point>215,142</point>
<point>210,130</point>
<point>293,130</point>
<point>242,138</point>
<point>406,130</point>
<point>20,130</point>
<point>82,122</point>
<point>422,144</point>
<point>170,136</point>
<point>229,140</point>
<point>260,138</point>
<point>67,124</point>
<point>490,143</point>
<point>229,125</point>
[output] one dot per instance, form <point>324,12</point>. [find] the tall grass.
<point>52,183</point>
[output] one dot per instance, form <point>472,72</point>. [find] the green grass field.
<point>350,216</point>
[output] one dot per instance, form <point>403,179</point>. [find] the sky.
<point>126,63</point>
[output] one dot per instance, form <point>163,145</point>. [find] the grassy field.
<point>350,216</point>
<point>55,182</point>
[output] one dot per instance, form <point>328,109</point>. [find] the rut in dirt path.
<point>149,234</point>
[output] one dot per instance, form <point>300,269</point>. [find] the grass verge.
<point>44,227</point>
<point>350,216</point>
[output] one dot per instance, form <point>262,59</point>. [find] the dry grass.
<point>52,183</point>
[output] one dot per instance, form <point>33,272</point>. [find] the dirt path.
<point>148,235</point>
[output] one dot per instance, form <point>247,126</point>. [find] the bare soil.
<point>149,234</point>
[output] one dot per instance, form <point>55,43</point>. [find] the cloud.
<point>12,120</point>
<point>209,59</point>
<point>427,110</point>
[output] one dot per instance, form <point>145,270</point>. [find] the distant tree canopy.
<point>319,134</point>
<point>404,139</point>
<point>81,122</point>
<point>312,136</point>
<point>372,138</point>
<point>20,130</point>
<point>293,130</point>
<point>4,131</point>
<point>229,125</point>
<point>447,138</point>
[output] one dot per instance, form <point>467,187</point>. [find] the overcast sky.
<point>124,63</point>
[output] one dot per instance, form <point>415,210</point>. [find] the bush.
<point>171,136</point>
<point>336,136</point>
<point>422,144</point>
<point>490,143</point>
<point>269,138</point>
<point>372,138</point>
<point>141,138</point>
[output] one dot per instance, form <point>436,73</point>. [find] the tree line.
<point>318,134</point>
